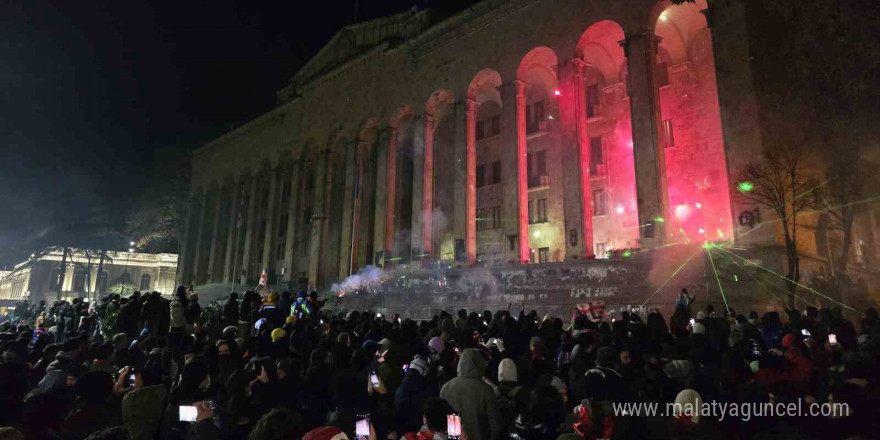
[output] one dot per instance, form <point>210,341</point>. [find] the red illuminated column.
<point>428,187</point>
<point>358,202</point>
<point>471,183</point>
<point>583,140</point>
<point>522,184</point>
<point>650,163</point>
<point>390,191</point>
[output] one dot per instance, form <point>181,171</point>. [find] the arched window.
<point>145,282</point>
<point>124,278</point>
<point>79,280</point>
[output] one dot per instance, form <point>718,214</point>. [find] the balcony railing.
<point>539,181</point>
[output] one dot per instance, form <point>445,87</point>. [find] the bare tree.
<point>784,183</point>
<point>838,201</point>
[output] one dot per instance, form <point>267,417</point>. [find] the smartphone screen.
<point>188,413</point>
<point>453,425</point>
<point>692,322</point>
<point>362,427</point>
<point>805,332</point>
<point>131,380</point>
<point>374,379</point>
<point>832,339</point>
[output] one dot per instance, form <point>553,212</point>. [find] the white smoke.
<point>367,276</point>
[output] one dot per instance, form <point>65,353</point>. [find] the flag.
<point>263,281</point>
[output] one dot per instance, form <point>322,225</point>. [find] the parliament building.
<point>514,132</point>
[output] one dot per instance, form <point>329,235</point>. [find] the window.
<point>124,278</point>
<point>282,226</point>
<point>662,74</point>
<point>668,133</point>
<point>481,180</point>
<point>496,217</point>
<point>599,203</point>
<point>544,255</point>
<point>541,162</point>
<point>145,282</point>
<point>481,220</point>
<point>534,114</point>
<point>279,253</point>
<point>79,281</point>
<point>537,169</point>
<point>592,100</point>
<point>511,239</point>
<point>542,210</point>
<point>496,172</point>
<point>601,250</point>
<point>597,159</point>
<point>496,125</point>
<point>480,130</point>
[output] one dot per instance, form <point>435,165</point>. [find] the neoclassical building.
<point>517,131</point>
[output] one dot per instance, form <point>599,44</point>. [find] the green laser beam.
<point>723,297</point>
<point>792,281</point>
<point>812,211</point>
<point>763,284</point>
<point>672,276</point>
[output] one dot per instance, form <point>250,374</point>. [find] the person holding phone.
<point>473,398</point>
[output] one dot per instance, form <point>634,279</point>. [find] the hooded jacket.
<point>142,411</point>
<point>475,399</point>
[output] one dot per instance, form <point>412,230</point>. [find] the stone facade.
<point>38,278</point>
<point>517,131</point>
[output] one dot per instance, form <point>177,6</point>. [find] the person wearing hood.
<point>603,382</point>
<point>229,311</point>
<point>468,394</point>
<point>301,308</point>
<point>411,395</point>
<point>67,359</point>
<point>513,398</point>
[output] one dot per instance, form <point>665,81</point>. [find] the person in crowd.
<point>304,371</point>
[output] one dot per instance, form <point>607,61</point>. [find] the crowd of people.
<point>275,366</point>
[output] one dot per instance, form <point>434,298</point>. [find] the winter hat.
<point>301,294</point>
<point>787,340</point>
<point>701,315</point>
<point>699,329</point>
<point>687,405</point>
<point>507,371</point>
<point>436,345</point>
<point>259,323</point>
<point>326,433</point>
<point>289,319</point>
<point>420,365</point>
<point>277,334</point>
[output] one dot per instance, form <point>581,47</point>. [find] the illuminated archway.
<point>607,149</point>
<point>696,169</point>
<point>438,188</point>
<point>485,228</point>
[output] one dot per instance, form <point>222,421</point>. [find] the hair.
<point>277,424</point>
<point>435,413</point>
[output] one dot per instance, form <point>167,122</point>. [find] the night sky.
<point>97,95</point>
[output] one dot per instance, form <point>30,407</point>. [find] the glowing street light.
<point>536,234</point>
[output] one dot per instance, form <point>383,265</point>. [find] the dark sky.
<point>93,94</point>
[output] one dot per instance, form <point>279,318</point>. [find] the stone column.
<point>350,208</point>
<point>583,142</point>
<point>381,197</point>
<point>292,214</point>
<point>522,182</point>
<point>650,166</point>
<point>249,231</point>
<point>428,188</point>
<point>358,193</point>
<point>418,185</point>
<point>390,191</point>
<point>316,246</point>
<point>215,236</point>
<point>199,247</point>
<point>184,271</point>
<point>471,183</point>
<point>232,231</point>
<point>269,237</point>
